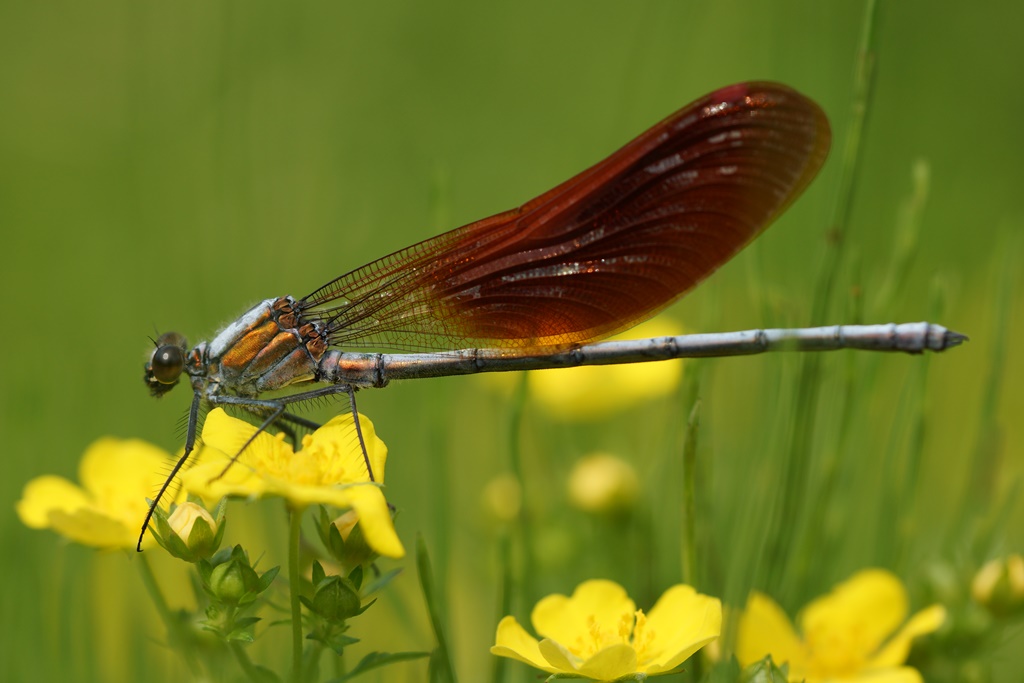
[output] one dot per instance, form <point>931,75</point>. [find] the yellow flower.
<point>596,391</point>
<point>603,483</point>
<point>107,510</point>
<point>851,635</point>
<point>502,498</point>
<point>328,469</point>
<point>599,634</point>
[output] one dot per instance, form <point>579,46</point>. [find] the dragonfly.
<point>539,286</point>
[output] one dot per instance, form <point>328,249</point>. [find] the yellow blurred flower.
<point>599,634</point>
<point>999,585</point>
<point>603,483</point>
<point>851,635</point>
<point>328,469</point>
<point>596,391</point>
<point>107,510</point>
<point>502,498</point>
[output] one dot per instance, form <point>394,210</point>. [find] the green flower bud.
<point>189,532</point>
<point>999,585</point>
<point>336,599</point>
<point>232,580</point>
<point>763,671</point>
<point>197,529</point>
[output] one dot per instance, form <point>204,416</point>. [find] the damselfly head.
<point>165,365</point>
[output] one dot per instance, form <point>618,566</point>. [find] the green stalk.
<point>982,487</point>
<point>176,635</point>
<point>499,664</point>
<point>783,580</point>
<point>853,149</point>
<point>243,661</point>
<point>690,497</point>
<point>524,529</point>
<point>295,588</point>
<point>440,660</point>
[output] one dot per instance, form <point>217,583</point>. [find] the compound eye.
<point>167,363</point>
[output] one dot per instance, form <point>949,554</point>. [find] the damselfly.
<point>535,286</point>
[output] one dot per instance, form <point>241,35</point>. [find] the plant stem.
<point>690,497</point>
<point>441,660</point>
<point>521,586</point>
<point>243,661</point>
<point>175,633</point>
<point>295,589</point>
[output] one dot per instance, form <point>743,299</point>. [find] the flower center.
<point>320,462</point>
<point>630,629</point>
<point>643,637</point>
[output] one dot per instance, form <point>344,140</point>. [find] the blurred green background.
<point>165,165</point>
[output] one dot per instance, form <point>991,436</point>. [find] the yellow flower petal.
<point>120,473</point>
<point>512,640</point>
<point>46,494</point>
<point>766,630</point>
<point>862,611</point>
<point>211,482</point>
<point>340,437</point>
<point>559,657</point>
<point>229,434</point>
<point>896,650</point>
<point>903,674</point>
<point>91,527</point>
<point>374,518</point>
<point>586,622</point>
<point>610,663</point>
<point>680,623</point>
<point>107,511</point>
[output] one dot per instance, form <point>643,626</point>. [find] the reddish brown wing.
<point>600,252</point>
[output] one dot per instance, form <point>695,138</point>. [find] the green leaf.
<point>245,622</point>
<point>764,671</point>
<point>268,578</point>
<point>221,556</point>
<point>337,642</point>
<point>381,581</point>
<point>241,635</point>
<point>335,543</point>
<point>375,660</point>
<point>323,524</point>
<point>205,569</point>
<point>318,572</point>
<point>265,675</point>
<point>365,607</point>
<point>356,576</point>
